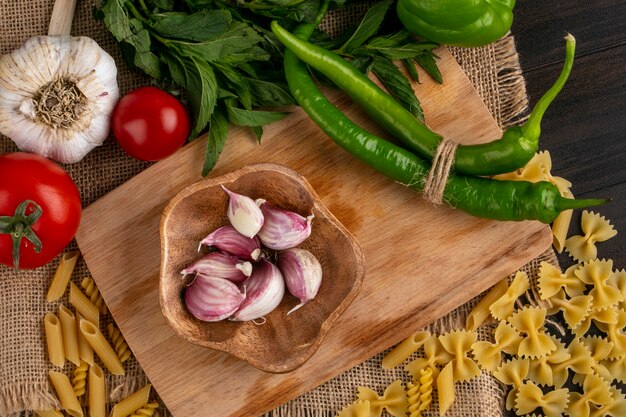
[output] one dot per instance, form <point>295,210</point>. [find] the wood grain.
<point>421,261</point>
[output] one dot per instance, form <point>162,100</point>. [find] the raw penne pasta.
<point>405,349</point>
<point>560,226</point>
<point>54,339</point>
<point>84,348</point>
<point>481,312</point>
<point>62,276</point>
<point>132,403</point>
<point>65,392</point>
<point>445,388</point>
<point>70,338</point>
<point>102,348</point>
<point>49,413</point>
<point>97,393</point>
<point>83,305</point>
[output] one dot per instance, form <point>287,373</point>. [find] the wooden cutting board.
<point>422,261</point>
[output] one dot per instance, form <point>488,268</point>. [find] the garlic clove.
<point>283,229</point>
<point>212,299</point>
<point>244,214</point>
<point>229,240</point>
<point>264,291</point>
<point>219,265</point>
<point>302,273</point>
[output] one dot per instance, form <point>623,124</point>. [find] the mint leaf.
<point>428,63</point>
<point>369,25</point>
<point>267,93</point>
<point>200,26</point>
<point>251,118</point>
<point>398,85</point>
<point>218,132</point>
<point>202,91</point>
<point>116,20</point>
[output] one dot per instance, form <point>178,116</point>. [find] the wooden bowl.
<point>284,342</point>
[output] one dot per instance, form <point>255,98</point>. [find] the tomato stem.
<point>19,226</point>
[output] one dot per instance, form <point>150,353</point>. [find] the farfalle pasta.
<point>530,396</point>
<point>394,400</point>
<point>512,372</point>
<point>503,307</point>
<point>597,273</point>
<point>575,309</point>
<point>600,349</point>
<point>481,312</point>
<point>615,335</point>
<point>540,369</point>
<point>598,317</point>
<point>434,354</point>
<point>618,280</point>
<point>551,281</point>
<point>617,406</point>
<point>616,368</point>
<point>356,409</point>
<point>596,229</point>
<point>580,362</point>
<point>595,391</point>
<point>459,344</point>
<point>489,355</point>
<point>529,321</point>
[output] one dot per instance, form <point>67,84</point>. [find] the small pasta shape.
<point>394,400</point>
<point>533,171</point>
<point>598,317</point>
<point>97,392</point>
<point>617,406</point>
<point>62,276</point>
<point>595,391</point>
<point>512,372</point>
<point>54,339</point>
<point>445,388</point>
<point>459,343</point>
<point>489,355</point>
<point>356,409</point>
<point>551,281</point>
<point>65,393</point>
<point>147,410</point>
<point>420,393</point>
<point>540,370</point>
<point>83,305</point>
<point>70,338</point>
<point>597,273</point>
<point>529,321</point>
<point>102,348</point>
<point>89,285</point>
<point>413,399</point>
<point>615,335</point>
<point>560,225</point>
<point>435,355</point>
<point>481,312</point>
<point>600,349</point>
<point>119,344</point>
<point>618,280</point>
<point>575,310</point>
<point>85,350</point>
<point>580,362</point>
<point>132,403</point>
<point>553,404</point>
<point>616,368</point>
<point>79,380</point>
<point>503,307</point>
<point>405,349</point>
<point>596,229</point>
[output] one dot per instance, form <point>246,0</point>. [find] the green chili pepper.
<point>516,147</point>
<point>457,22</point>
<point>481,197</point>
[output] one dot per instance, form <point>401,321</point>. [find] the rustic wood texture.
<point>585,128</point>
<point>421,261</point>
<point>285,341</point>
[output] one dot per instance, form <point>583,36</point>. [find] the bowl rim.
<point>286,364</point>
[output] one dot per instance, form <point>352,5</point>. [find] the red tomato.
<point>150,124</point>
<point>33,182</point>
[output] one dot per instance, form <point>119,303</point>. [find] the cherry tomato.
<point>39,210</point>
<point>150,124</point>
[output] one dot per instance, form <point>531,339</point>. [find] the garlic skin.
<point>264,291</point>
<point>212,299</point>
<point>56,96</point>
<point>244,213</point>
<point>302,273</point>
<point>229,240</point>
<point>220,265</point>
<point>283,229</point>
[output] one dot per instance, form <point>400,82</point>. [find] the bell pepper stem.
<point>568,203</point>
<point>19,226</point>
<point>532,128</point>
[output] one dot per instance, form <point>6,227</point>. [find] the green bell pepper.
<point>457,22</point>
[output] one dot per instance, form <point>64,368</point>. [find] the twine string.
<point>440,171</point>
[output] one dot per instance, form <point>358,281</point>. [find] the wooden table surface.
<point>585,130</point>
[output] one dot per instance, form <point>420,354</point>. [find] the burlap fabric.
<point>494,70</point>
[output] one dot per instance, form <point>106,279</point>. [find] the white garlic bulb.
<point>56,96</point>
